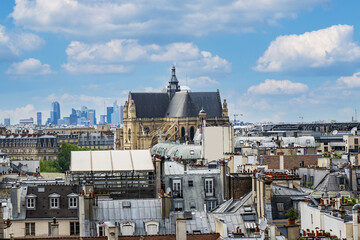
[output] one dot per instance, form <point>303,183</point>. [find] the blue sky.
<point>273,60</point>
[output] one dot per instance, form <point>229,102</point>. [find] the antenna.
<point>355,115</point>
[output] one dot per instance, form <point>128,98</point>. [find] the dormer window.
<point>73,200</point>
<point>30,201</point>
<point>54,201</point>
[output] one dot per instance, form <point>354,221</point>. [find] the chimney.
<point>54,228</point>
<point>223,168</point>
<point>2,223</point>
<point>221,228</point>
<point>111,231</point>
<point>165,205</point>
<point>181,229</point>
<point>355,212</point>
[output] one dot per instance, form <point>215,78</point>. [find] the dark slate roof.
<point>210,101</point>
<point>43,203</point>
<point>150,105</point>
<point>182,104</point>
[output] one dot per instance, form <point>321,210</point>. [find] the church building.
<point>173,115</point>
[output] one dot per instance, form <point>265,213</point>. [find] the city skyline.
<point>272,60</point>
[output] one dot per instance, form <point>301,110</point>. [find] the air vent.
<point>126,204</point>
<point>188,215</point>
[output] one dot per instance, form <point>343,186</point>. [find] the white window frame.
<point>30,203</point>
<point>209,187</point>
<point>54,203</point>
<point>73,202</point>
<point>176,186</point>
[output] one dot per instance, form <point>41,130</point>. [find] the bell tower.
<point>173,86</point>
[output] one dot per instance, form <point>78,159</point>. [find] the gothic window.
<point>129,134</point>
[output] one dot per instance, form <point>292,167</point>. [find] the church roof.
<point>182,104</point>
<point>150,105</point>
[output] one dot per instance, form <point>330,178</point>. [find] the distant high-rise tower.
<point>7,121</point>
<point>55,112</point>
<point>109,111</point>
<point>38,119</point>
<point>173,83</point>
<point>92,116</point>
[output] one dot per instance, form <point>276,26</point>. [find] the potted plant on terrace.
<point>292,215</point>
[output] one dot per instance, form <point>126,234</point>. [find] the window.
<point>177,187</point>
<point>308,141</point>
<point>73,200</point>
<point>30,203</point>
<point>101,231</point>
<point>356,141</point>
<point>192,204</point>
<point>30,229</point>
<point>191,183</point>
<point>210,205</point>
<point>280,207</point>
<point>178,205</point>
<point>192,152</point>
<point>152,227</point>
<point>54,203</point>
<point>209,187</point>
<point>74,228</point>
<point>129,134</point>
<point>54,200</point>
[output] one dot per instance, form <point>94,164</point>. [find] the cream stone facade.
<point>150,118</point>
<point>18,228</point>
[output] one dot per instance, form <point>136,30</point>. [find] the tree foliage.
<point>49,166</point>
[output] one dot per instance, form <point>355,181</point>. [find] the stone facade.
<point>30,147</point>
<point>150,118</point>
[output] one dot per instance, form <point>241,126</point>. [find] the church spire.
<point>173,83</point>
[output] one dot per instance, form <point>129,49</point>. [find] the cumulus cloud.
<point>116,56</point>
<point>350,81</point>
<point>129,18</point>
<point>13,44</point>
<point>271,86</point>
<point>317,49</point>
<point>29,66</point>
<point>18,113</point>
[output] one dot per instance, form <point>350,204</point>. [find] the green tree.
<point>49,166</point>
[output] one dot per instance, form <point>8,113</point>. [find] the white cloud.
<point>271,86</point>
<point>94,68</point>
<point>18,113</point>
<point>129,18</point>
<point>29,66</point>
<point>12,44</point>
<point>322,48</point>
<point>202,81</point>
<point>350,81</point>
<point>116,55</point>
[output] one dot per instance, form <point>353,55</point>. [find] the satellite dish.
<point>262,224</point>
<point>354,131</point>
<point>335,132</point>
<point>168,190</point>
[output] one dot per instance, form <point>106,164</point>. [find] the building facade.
<point>150,118</point>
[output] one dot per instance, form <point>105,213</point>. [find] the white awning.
<point>111,161</point>
<point>250,225</point>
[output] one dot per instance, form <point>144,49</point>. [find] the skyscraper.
<point>7,121</point>
<point>109,111</point>
<point>92,116</point>
<point>38,119</point>
<point>55,112</point>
